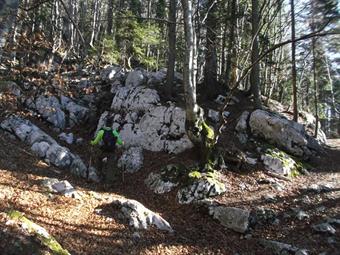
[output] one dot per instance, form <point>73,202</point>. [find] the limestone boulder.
<point>241,127</point>
<point>46,147</point>
<point>76,112</point>
<point>50,109</point>
<point>138,99</point>
<point>279,162</point>
<point>139,216</point>
<point>131,160</point>
<point>230,217</point>
<point>288,135</point>
<point>202,187</point>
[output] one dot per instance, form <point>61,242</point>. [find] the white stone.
<point>278,248</point>
<point>45,146</point>
<point>110,72</point>
<point>230,217</point>
<point>139,99</point>
<point>132,160</point>
<point>301,215</point>
<point>325,228</point>
<point>62,187</point>
<point>157,78</point>
<point>278,162</point>
<point>139,216</point>
<point>282,132</point>
<point>77,113</point>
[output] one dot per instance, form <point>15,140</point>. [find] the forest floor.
<point>81,229</point>
<point>89,225</point>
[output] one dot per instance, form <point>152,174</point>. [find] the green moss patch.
<point>45,238</point>
<point>296,166</point>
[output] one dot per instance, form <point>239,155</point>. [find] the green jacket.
<point>100,134</point>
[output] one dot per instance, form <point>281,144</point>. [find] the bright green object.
<point>100,134</point>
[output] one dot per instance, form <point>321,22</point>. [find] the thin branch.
<point>206,15</point>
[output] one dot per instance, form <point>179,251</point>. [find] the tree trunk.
<point>8,10</point>
<point>255,71</point>
<point>231,79</point>
<point>334,110</point>
<point>188,74</point>
<point>210,69</point>
<point>94,22</point>
<point>202,136</point>
<point>295,109</point>
<point>109,17</point>
<point>315,83</point>
<point>172,49</point>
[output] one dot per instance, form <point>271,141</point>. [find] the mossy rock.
<point>200,186</point>
<point>45,238</point>
<point>282,163</point>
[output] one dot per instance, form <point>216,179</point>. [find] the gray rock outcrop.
<point>241,127</point>
<point>131,160</point>
<point>230,217</point>
<point>138,99</point>
<point>58,113</point>
<point>279,162</point>
<point>46,147</point>
<point>201,188</point>
<point>160,128</point>
<point>278,248</point>
<point>50,109</point>
<point>10,87</point>
<point>289,135</point>
<point>110,73</point>
<point>140,217</point>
